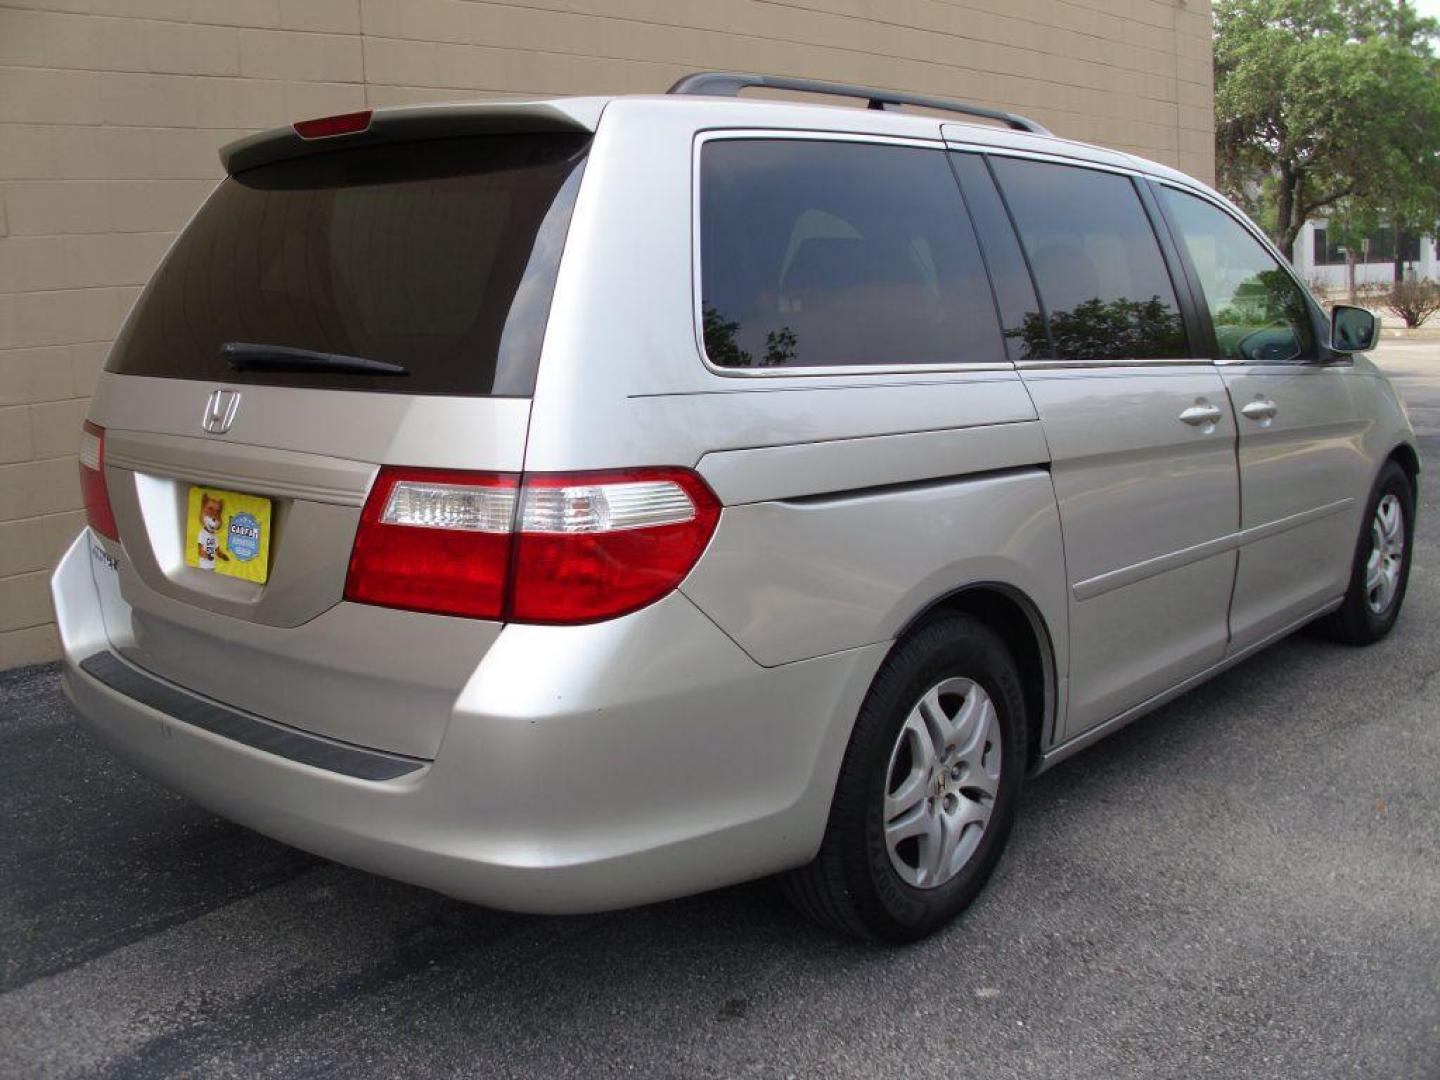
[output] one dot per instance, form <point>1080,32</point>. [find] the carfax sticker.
<point>228,532</point>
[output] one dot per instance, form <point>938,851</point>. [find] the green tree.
<point>780,348</point>
<point>720,344</point>
<point>1407,196</point>
<point>1319,101</point>
<point>1103,330</point>
<point>1413,207</point>
<point>723,348</point>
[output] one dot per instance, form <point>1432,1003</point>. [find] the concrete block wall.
<point>111,112</point>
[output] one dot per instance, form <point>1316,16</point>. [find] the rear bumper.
<point>583,768</point>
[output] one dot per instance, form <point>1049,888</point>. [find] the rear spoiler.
<point>409,124</point>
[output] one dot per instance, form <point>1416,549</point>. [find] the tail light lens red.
<point>595,546</point>
<point>92,481</point>
<point>324,127</point>
<point>434,540</point>
<point>571,548</point>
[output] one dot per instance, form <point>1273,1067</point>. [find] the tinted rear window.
<point>439,256</point>
<point>820,253</point>
<point>1101,276</point>
<point>1014,288</point>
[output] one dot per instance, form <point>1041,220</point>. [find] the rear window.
<point>439,256</point>
<point>823,253</point>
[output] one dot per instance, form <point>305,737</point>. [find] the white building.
<point>1322,262</point>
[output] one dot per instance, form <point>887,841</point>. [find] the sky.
<point>1427,7</point>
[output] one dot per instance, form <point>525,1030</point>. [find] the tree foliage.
<point>1323,101</point>
<point>1103,330</point>
<point>723,347</point>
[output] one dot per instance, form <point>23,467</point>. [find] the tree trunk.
<point>1399,254</point>
<point>1283,210</point>
<point>1289,210</point>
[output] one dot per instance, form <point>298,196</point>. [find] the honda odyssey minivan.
<point>571,504</point>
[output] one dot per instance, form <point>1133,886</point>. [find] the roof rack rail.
<point>729,84</point>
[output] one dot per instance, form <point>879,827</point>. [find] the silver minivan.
<point>575,503</point>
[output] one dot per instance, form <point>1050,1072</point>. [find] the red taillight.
<point>595,545</point>
<point>434,540</point>
<point>569,548</point>
<point>92,481</point>
<point>325,126</point>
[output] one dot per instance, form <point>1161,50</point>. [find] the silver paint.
<point>1120,504</point>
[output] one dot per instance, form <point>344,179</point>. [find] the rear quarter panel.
<point>795,578</point>
<point>851,501</point>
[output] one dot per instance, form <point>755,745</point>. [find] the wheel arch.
<point>1408,459</point>
<point>1020,624</point>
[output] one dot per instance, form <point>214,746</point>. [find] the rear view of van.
<point>572,504</point>
<point>335,311</point>
<point>456,652</point>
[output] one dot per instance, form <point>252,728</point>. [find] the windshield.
<point>437,256</point>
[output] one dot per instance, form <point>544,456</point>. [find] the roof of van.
<point>581,114</point>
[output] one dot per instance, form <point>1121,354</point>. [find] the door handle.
<point>1199,415</point>
<point>1261,409</point>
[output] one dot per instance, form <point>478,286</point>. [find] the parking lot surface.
<point>1245,883</point>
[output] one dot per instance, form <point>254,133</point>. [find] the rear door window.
<point>1102,280</point>
<point>439,256</point>
<point>821,253</point>
<point>1259,312</point>
<point>1014,288</point>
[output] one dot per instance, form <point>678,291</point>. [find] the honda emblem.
<point>220,411</point>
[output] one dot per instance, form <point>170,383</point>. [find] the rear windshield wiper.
<point>244,356</point>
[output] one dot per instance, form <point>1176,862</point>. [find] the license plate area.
<point>228,532</point>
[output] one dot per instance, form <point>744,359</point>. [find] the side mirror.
<point>1353,329</point>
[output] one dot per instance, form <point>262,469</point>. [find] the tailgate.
<point>290,649</point>
<point>396,296</point>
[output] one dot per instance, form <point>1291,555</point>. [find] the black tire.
<point>851,886</point>
<point>1355,622</point>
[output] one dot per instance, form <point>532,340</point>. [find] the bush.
<point>1414,301</point>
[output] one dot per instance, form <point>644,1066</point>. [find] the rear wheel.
<point>1381,568</point>
<point>927,791</point>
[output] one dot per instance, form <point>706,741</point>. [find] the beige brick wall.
<point>111,112</point>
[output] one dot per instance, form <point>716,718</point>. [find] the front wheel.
<point>1381,569</point>
<point>927,791</point>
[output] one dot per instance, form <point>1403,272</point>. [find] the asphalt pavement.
<point>1245,883</point>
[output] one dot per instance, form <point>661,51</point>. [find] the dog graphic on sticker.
<point>208,544</point>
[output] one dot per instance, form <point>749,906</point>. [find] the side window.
<point>1260,314</point>
<point>818,253</point>
<point>1014,291</point>
<point>1101,276</point>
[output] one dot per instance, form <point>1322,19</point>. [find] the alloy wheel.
<point>941,782</point>
<point>1387,554</point>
